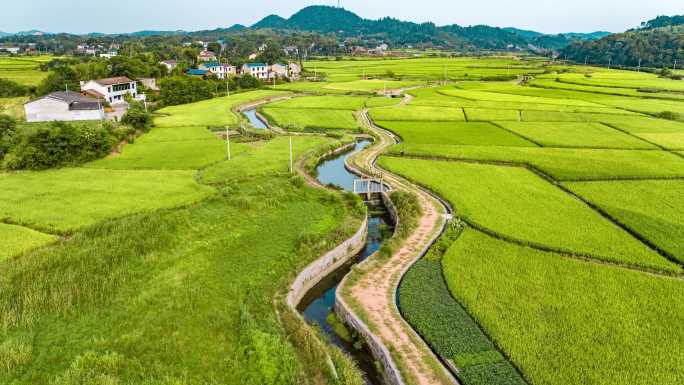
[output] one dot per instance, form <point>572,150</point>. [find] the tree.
<point>137,117</point>
<point>10,89</point>
<point>249,81</point>
<point>273,53</point>
<point>61,78</point>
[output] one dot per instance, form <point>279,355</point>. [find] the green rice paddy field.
<point>24,70</point>
<point>571,260</point>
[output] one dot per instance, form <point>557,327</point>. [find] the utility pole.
<point>610,60</point>
<point>674,67</point>
<point>639,66</point>
<point>586,60</point>
<point>291,168</point>
<point>384,90</point>
<point>228,142</point>
<point>445,75</point>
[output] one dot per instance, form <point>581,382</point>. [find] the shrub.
<point>10,89</point>
<point>137,117</point>
<point>58,144</point>
<point>249,81</point>
<point>8,127</point>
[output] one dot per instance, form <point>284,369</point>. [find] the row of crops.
<point>568,269</point>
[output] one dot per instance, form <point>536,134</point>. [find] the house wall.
<point>111,95</point>
<point>46,110</point>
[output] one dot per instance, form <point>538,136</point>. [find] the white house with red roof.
<point>111,90</point>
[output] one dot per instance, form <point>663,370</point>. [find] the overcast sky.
<point>550,16</point>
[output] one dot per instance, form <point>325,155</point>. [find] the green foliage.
<point>310,119</point>
<point>10,88</point>
<point>59,79</point>
<point>137,117</point>
<point>8,127</point>
<point>184,89</point>
<point>58,144</point>
<point>248,81</point>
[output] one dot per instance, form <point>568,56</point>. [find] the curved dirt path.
<point>373,285</point>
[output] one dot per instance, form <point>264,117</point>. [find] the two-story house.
<point>111,89</point>
<point>257,70</point>
<point>220,70</point>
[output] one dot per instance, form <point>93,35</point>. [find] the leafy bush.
<point>10,89</point>
<point>248,81</point>
<point>182,90</point>
<point>137,117</point>
<point>58,144</point>
<point>8,127</point>
<point>669,115</point>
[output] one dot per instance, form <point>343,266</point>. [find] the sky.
<point>548,16</point>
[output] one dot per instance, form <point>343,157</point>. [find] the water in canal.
<point>319,302</point>
<point>251,114</point>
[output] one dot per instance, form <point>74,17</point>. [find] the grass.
<point>651,207</point>
<point>311,119</point>
<point>66,200</point>
<point>371,85</point>
<point>418,113</point>
<point>263,158</point>
<point>577,135</point>
<point>453,133</point>
<point>562,163</point>
<point>488,115</point>
<point>514,202</point>
<point>18,240</point>
<point>566,321</point>
<point>13,107</point>
<point>210,113</point>
<point>644,124</point>
<point>167,297</point>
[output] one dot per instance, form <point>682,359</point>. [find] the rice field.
<point>515,203</point>
<point>310,119</point>
<point>418,113</point>
<point>17,240</point>
<point>575,135</point>
<point>565,321</point>
<point>24,70</point>
<point>453,133</point>
<point>215,112</point>
<point>653,208</point>
<point>66,200</point>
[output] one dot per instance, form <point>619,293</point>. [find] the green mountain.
<point>657,43</point>
<point>343,23</point>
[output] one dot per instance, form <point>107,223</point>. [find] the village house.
<point>169,64</point>
<point>221,70</point>
<point>291,50</point>
<point>257,70</point>
<point>295,71</point>
<point>206,56</point>
<point>10,50</point>
<point>252,56</point>
<point>63,105</point>
<point>279,71</point>
<point>113,90</point>
<point>149,83</point>
<point>109,54</point>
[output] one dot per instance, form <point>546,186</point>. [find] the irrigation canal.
<point>257,123</point>
<point>318,305</point>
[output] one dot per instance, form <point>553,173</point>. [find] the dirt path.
<point>374,288</point>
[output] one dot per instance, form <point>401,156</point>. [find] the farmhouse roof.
<point>255,65</point>
<point>113,81</point>
<point>75,100</point>
<point>197,72</point>
<point>170,62</point>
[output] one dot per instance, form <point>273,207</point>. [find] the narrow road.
<point>374,285</point>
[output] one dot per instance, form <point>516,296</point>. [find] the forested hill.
<point>657,43</point>
<point>325,19</point>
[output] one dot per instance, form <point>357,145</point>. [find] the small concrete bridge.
<point>369,186</point>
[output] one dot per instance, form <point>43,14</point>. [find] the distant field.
<point>563,163</point>
<point>578,135</point>
<point>565,321</point>
<point>418,113</point>
<point>453,133</point>
<point>311,119</point>
<point>323,102</point>
<point>515,202</point>
<point>213,112</point>
<point>651,207</point>
<point>24,70</point>
<point>66,200</point>
<point>16,240</point>
<point>424,69</point>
